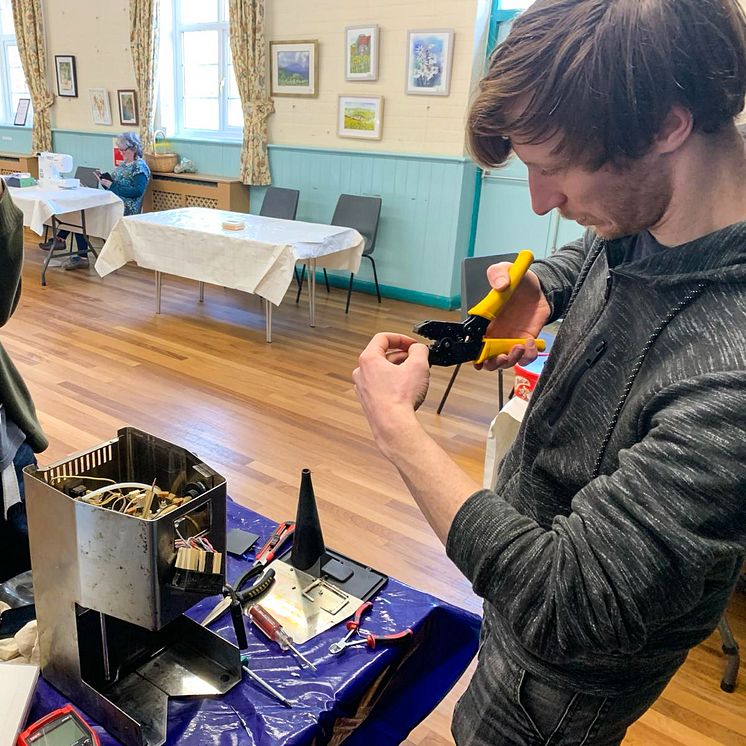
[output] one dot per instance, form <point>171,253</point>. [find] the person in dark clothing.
<point>20,432</point>
<point>615,532</point>
<point>130,181</point>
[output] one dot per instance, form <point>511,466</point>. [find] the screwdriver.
<point>273,629</point>
<point>262,683</point>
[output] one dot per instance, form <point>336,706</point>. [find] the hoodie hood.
<point>716,257</point>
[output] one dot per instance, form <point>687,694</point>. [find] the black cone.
<point>308,541</point>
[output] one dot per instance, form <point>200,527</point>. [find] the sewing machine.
<point>52,165</point>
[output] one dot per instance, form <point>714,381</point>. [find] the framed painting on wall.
<point>100,109</point>
<point>360,116</point>
<point>24,104</point>
<point>361,53</point>
<point>127,107</point>
<point>67,83</point>
<point>429,57</point>
<point>294,67</point>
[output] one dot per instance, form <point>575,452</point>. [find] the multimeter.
<point>63,727</point>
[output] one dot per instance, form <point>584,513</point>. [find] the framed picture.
<point>127,107</point>
<point>361,53</point>
<point>294,68</point>
<point>100,109</point>
<point>67,83</point>
<point>360,116</point>
<point>22,111</point>
<point>429,57</point>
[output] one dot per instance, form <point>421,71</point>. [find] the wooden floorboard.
<point>97,357</point>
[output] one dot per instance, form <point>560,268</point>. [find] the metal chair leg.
<point>375,277</point>
<point>733,659</point>
<point>326,280</point>
<point>349,293</point>
<point>448,388</point>
<point>300,283</point>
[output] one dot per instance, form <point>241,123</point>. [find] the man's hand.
<point>523,316</point>
<point>391,381</point>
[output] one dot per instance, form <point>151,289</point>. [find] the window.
<point>198,94</point>
<point>12,79</point>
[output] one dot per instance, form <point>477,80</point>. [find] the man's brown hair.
<point>604,74</point>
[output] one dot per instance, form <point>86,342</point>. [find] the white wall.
<point>97,33</point>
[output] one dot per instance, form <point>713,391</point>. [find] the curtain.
<point>250,67</point>
<point>144,15</point>
<point>29,22</point>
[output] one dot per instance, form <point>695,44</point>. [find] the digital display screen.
<point>64,732</point>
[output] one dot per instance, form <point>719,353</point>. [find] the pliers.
<point>369,639</point>
<point>233,595</point>
<point>457,343</point>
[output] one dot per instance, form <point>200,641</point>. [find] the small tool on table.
<point>262,683</point>
<point>368,638</point>
<point>273,629</point>
<point>232,594</point>
<point>462,342</point>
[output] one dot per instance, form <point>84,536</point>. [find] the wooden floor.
<point>96,358</point>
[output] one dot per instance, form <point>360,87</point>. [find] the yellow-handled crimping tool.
<point>457,343</point>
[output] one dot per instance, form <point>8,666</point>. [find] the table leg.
<point>268,319</point>
<point>201,292</point>
<point>49,253</point>
<point>158,284</point>
<point>312,291</point>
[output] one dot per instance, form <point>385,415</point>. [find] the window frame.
<point>8,113</point>
<point>224,131</point>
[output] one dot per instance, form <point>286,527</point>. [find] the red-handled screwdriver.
<point>273,629</point>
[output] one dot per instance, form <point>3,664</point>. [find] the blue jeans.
<point>506,705</point>
<point>14,550</point>
<point>80,240</point>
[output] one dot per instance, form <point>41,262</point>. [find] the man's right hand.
<point>522,317</point>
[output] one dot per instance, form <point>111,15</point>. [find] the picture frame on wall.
<point>24,104</point>
<point>294,68</point>
<point>100,109</point>
<point>360,116</point>
<point>127,107</point>
<point>429,60</point>
<point>67,81</point>
<point>361,52</point>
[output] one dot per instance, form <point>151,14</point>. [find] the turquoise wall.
<point>15,140</point>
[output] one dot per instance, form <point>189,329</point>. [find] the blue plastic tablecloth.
<point>408,681</point>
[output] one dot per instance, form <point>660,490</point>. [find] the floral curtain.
<point>29,22</point>
<point>144,26</point>
<point>248,50</point>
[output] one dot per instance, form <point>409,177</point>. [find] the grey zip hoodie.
<point>617,527</point>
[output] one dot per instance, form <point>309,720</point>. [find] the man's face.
<point>614,203</point>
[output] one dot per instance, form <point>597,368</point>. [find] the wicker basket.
<point>163,162</point>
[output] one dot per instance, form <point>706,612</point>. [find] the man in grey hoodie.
<point>616,530</point>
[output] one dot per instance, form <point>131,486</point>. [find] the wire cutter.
<point>457,343</point>
<point>233,594</point>
<point>369,639</point>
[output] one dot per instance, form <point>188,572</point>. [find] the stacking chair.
<point>280,203</point>
<point>474,286</point>
<point>362,214</point>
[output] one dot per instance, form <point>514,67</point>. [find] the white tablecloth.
<point>39,203</point>
<point>191,242</point>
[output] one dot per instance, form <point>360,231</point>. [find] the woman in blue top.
<point>130,180</point>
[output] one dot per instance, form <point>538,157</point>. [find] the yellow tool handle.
<point>494,347</point>
<point>491,304</point>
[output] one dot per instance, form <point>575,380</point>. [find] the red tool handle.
<point>354,623</point>
<point>265,621</point>
<point>373,640</point>
<point>280,535</point>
